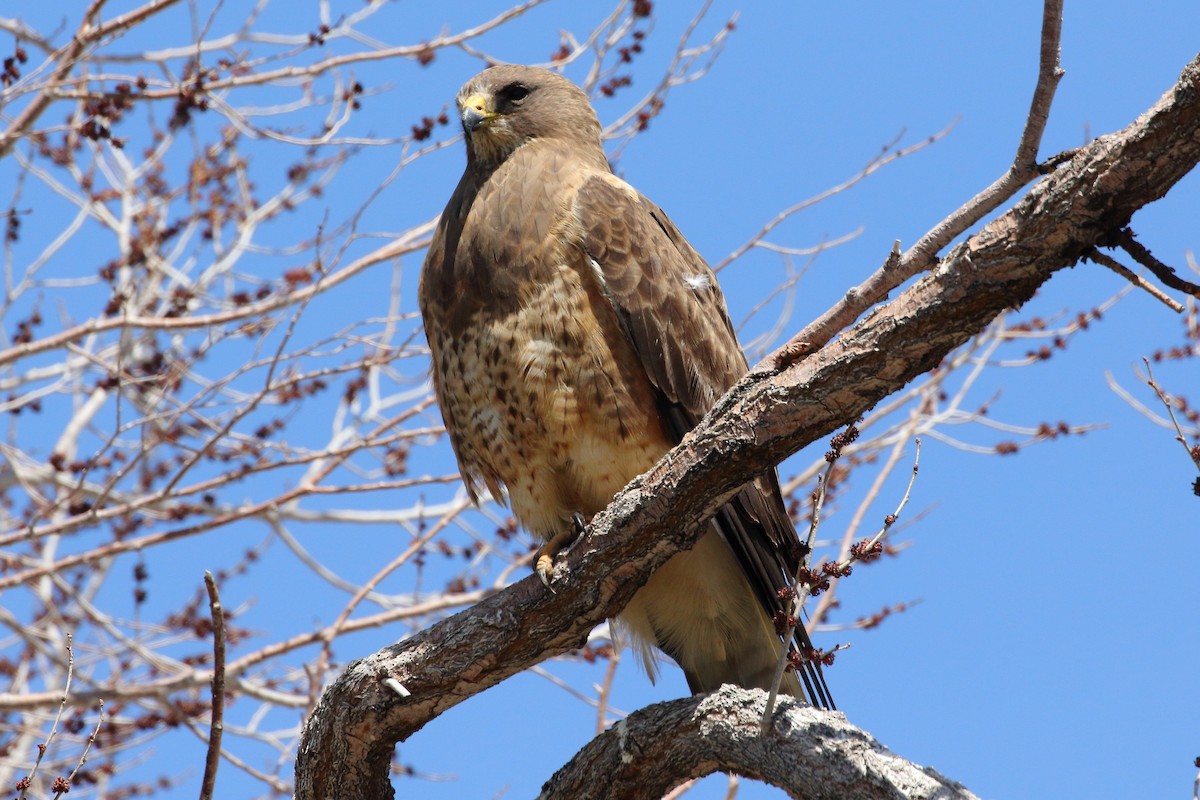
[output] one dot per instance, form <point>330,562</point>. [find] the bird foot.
<point>543,562</point>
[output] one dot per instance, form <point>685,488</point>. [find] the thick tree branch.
<point>808,753</point>
<point>781,406</point>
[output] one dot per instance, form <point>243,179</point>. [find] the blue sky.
<point>1053,649</point>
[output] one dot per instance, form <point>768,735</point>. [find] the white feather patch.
<point>599,272</point>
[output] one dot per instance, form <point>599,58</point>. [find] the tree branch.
<point>1105,260</point>
<point>1164,273</point>
<point>216,727</point>
<point>414,239</point>
<point>806,752</point>
<point>68,56</point>
<point>900,267</point>
<point>778,408</point>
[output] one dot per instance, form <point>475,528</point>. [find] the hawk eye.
<point>514,93</point>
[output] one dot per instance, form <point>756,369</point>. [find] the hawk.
<point>576,337</point>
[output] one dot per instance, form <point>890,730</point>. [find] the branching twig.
<point>899,267</point>
<point>415,239</point>
<point>887,156</point>
<point>680,70</point>
<point>68,56</point>
<point>900,437</point>
<point>868,550</point>
<point>86,749</point>
<point>1194,451</point>
<point>44,747</point>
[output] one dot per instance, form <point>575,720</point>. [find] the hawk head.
<point>505,107</point>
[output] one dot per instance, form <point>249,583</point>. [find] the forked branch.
<point>899,266</point>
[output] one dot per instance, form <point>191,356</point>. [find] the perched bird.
<point>576,337</point>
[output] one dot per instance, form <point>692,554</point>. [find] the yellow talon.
<point>543,562</point>
<point>544,567</point>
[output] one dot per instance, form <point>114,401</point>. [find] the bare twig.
<point>216,727</point>
<point>44,747</point>
<point>1164,273</point>
<point>87,749</point>
<point>868,550</point>
<point>195,679</point>
<point>682,69</point>
<point>1137,280</point>
<point>1024,167</point>
<point>1193,452</point>
<point>887,156</point>
<point>901,436</point>
<point>604,690</point>
<point>415,547</point>
<point>292,74</point>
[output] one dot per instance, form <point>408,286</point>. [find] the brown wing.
<point>672,310</point>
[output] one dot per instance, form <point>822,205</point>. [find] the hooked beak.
<point>475,113</point>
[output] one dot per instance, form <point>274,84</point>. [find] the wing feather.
<point>668,303</point>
